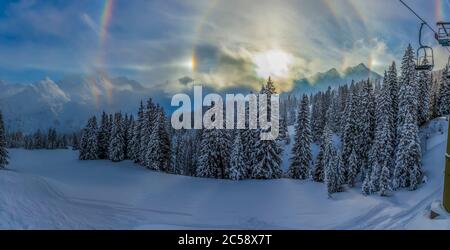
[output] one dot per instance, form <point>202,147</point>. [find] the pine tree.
<point>424,83</point>
<point>283,132</point>
<point>158,150</point>
<point>249,139</point>
<point>237,169</point>
<point>179,147</point>
<point>351,130</point>
<point>318,175</point>
<point>146,130</point>
<point>136,140</point>
<point>125,124</point>
<point>434,112</point>
<point>365,188</point>
<point>268,160</point>
<point>268,152</point>
<point>341,171</point>
<point>352,168</point>
<point>407,172</point>
<point>366,124</point>
<point>213,157</point>
<point>393,86</point>
<point>103,137</point>
<point>383,147</point>
<point>301,151</point>
<point>444,94</point>
<point>317,117</point>
<point>116,150</point>
<point>3,150</point>
<point>130,153</point>
<point>384,181</point>
<point>331,162</point>
<point>88,147</point>
<point>408,91</point>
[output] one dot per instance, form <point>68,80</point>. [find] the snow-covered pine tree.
<point>383,147</point>
<point>158,150</point>
<point>385,179</point>
<point>334,113</point>
<point>213,157</point>
<point>283,132</point>
<point>103,137</point>
<point>408,90</point>
<point>130,132</point>
<point>88,145</point>
<point>394,88</point>
<point>207,164</point>
<point>424,79</point>
<point>365,188</point>
<point>352,169</point>
<point>351,129</point>
<point>237,168</point>
<point>433,111</point>
<point>3,150</point>
<point>146,129</point>
<point>268,160</point>
<point>136,139</point>
<point>177,161</point>
<point>317,119</point>
<point>330,160</point>
<point>342,171</point>
<point>366,123</point>
<point>300,167</point>
<point>116,150</point>
<point>444,94</point>
<point>268,152</point>
<point>318,173</point>
<point>249,139</point>
<point>407,172</point>
<point>214,154</point>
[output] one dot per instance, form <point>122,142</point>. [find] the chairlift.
<point>443,34</point>
<point>425,55</point>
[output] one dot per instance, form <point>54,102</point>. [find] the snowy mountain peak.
<point>357,69</point>
<point>332,77</point>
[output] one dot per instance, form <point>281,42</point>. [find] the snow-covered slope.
<point>52,189</point>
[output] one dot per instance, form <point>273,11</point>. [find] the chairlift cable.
<point>421,19</point>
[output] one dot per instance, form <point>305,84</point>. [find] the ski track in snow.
<point>53,190</point>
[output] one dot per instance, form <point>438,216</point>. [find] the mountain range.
<point>67,103</point>
<point>321,81</point>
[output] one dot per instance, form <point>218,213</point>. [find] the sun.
<point>275,63</point>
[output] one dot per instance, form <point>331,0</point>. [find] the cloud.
<point>154,41</point>
<point>90,23</point>
<point>185,80</point>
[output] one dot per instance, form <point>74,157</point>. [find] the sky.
<point>171,44</point>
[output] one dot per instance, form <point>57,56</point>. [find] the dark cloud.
<point>185,80</point>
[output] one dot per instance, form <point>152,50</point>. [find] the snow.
<point>54,190</point>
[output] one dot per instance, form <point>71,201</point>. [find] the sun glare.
<point>274,63</point>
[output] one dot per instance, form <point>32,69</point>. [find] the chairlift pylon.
<point>443,33</point>
<point>425,55</point>
<point>447,69</point>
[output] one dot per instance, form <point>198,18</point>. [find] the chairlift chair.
<point>443,34</point>
<point>425,55</point>
<point>425,58</point>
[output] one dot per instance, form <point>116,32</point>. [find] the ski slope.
<point>54,190</point>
